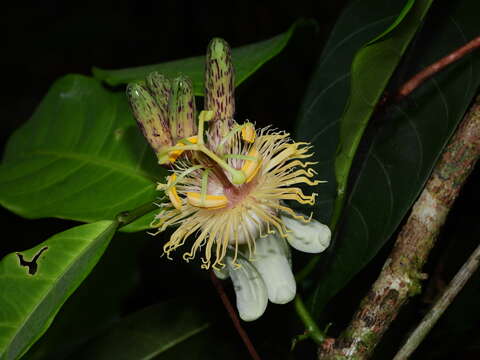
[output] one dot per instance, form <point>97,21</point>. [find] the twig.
<point>457,283</point>
<point>426,73</point>
<point>401,274</point>
<point>233,315</point>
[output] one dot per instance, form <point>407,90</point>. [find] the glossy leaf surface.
<point>80,156</point>
<point>366,45</point>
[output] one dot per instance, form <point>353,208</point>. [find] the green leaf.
<point>31,296</point>
<point>372,67</point>
<point>327,96</point>
<point>406,145</point>
<point>80,156</point>
<point>246,59</point>
<point>113,280</point>
<point>148,333</point>
<point>372,64</point>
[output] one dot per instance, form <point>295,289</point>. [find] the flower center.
<point>236,194</point>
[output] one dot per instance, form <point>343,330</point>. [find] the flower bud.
<point>220,84</point>
<point>181,109</point>
<point>150,118</point>
<point>160,88</point>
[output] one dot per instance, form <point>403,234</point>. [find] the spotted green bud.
<point>181,109</point>
<point>150,118</point>
<point>160,88</point>
<point>220,80</point>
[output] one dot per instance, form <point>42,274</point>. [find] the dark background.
<point>45,41</point>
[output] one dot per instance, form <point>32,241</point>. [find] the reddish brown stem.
<point>233,315</point>
<point>426,73</point>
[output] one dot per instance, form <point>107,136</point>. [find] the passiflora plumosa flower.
<point>229,184</point>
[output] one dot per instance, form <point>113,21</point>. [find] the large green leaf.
<point>366,45</point>
<point>80,156</point>
<point>35,283</point>
<point>406,145</point>
<point>371,69</point>
<point>148,333</point>
<point>247,59</point>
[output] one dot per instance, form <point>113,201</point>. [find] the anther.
<point>250,167</point>
<point>248,132</point>
<point>172,192</point>
<point>173,155</point>
<point>209,202</point>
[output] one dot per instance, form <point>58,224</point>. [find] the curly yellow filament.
<point>221,217</point>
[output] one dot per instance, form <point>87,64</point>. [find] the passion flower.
<point>229,184</point>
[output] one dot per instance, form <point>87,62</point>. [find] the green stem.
<point>312,331</point>
<point>129,216</point>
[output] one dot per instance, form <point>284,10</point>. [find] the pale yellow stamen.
<point>173,155</point>
<point>207,201</point>
<point>273,165</point>
<point>250,167</point>
<point>248,133</point>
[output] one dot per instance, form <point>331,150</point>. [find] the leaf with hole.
<point>35,283</point>
<point>114,280</point>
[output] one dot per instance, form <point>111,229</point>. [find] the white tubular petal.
<point>222,274</point>
<point>250,289</point>
<point>312,237</point>
<point>272,263</point>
